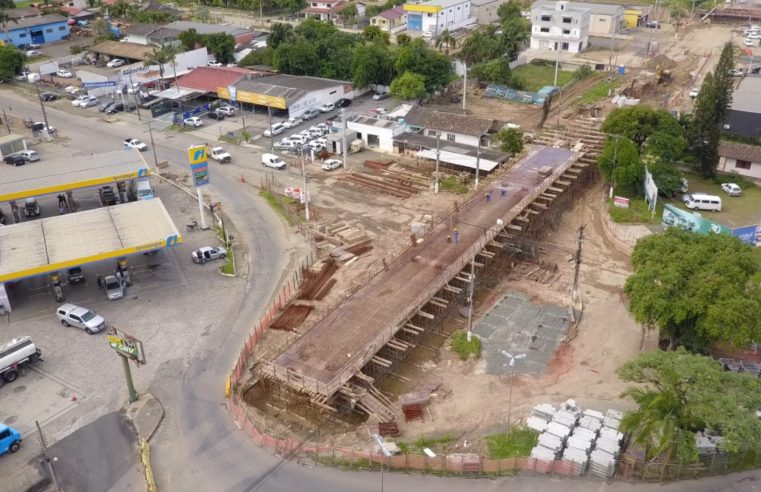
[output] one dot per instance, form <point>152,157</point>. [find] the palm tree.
<point>4,19</point>
<point>447,40</point>
<point>157,57</point>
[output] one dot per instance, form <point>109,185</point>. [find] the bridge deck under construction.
<point>338,346</point>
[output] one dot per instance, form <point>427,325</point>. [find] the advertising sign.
<point>651,191</point>
<point>621,202</point>
<point>252,98</point>
<point>749,234</point>
<point>96,85</point>
<point>199,165</point>
<point>126,345</point>
<point>675,217</point>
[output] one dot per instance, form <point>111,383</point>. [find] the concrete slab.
<point>518,325</point>
<point>146,414</point>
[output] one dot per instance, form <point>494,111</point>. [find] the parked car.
<point>89,101</point>
<point>653,24</point>
<point>104,105</point>
<point>331,164</point>
<point>14,160</point>
<point>749,42</point>
<point>292,122</point>
<point>10,439</point>
<point>379,96</point>
<point>114,108</point>
<point>736,72</point>
<point>80,317</point>
<point>107,196</point>
<point>694,92</point>
<point>76,102</point>
<point>31,207</point>
<point>33,46</point>
<point>215,64</point>
<point>39,126</point>
<point>71,89</point>
<point>343,102</point>
<point>327,108</point>
<point>114,287</point>
<point>731,189</point>
<point>76,275</point>
<point>286,145</point>
<point>64,74</point>
<point>32,53</point>
<point>226,110</point>
<point>207,253</point>
<point>133,143</point>
<point>116,62</point>
<point>298,139</point>
<point>216,115</point>
<point>273,161</point>
<point>49,96</point>
<point>309,114</point>
<point>193,121</point>
<point>221,155</point>
<point>275,129</point>
<point>318,144</point>
<point>29,155</point>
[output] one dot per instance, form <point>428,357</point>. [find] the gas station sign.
<point>126,345</point>
<point>199,165</point>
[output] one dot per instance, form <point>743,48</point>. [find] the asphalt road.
<point>198,447</point>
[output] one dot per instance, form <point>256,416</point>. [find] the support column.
<point>128,378</point>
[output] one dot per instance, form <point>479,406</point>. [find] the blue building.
<point>40,30</point>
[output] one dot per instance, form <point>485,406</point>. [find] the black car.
<point>107,196</point>
<point>343,102</point>
<point>49,96</point>
<point>105,105</point>
<point>76,275</point>
<point>216,115</point>
<point>15,160</point>
<point>114,108</point>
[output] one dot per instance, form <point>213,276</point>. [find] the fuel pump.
<point>123,270</point>
<point>55,278</point>
<point>122,187</point>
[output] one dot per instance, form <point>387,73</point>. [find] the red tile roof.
<point>207,79</point>
<point>392,14</point>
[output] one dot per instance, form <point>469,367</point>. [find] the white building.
<point>435,16</point>
<point>375,133</point>
<point>451,127</point>
<point>485,11</point>
<point>560,26</point>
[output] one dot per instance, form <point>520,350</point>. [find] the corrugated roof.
<point>35,21</point>
<point>132,51</point>
<point>397,12</point>
<point>290,87</point>
<point>744,152</point>
<point>21,12</point>
<point>747,95</point>
<point>12,137</point>
<point>448,122</point>
<point>142,29</point>
<point>207,79</point>
<point>202,28</point>
<point>367,120</point>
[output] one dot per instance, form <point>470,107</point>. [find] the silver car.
<point>71,315</point>
<point>114,287</point>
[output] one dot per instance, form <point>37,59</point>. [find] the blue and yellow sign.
<point>199,165</point>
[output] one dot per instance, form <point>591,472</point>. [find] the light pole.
<point>511,364</point>
<point>343,138</point>
<point>384,454</point>
<point>478,161</point>
<point>436,183</point>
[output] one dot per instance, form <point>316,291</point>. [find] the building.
<point>740,158</point>
<point>208,79</point>
<point>42,29</point>
<point>22,13</point>
<point>374,132</point>
<point>391,20</point>
<point>636,15</point>
<point>435,16</point>
<point>485,11</point>
<point>745,113</point>
<point>242,35</point>
<point>11,143</point>
<point>288,93</point>
<point>152,34</point>
<point>451,127</point>
<point>325,10</point>
<point>604,19</point>
<point>560,26</point>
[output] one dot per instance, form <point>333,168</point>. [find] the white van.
<point>701,201</point>
<point>271,160</point>
<point>275,129</point>
<point>143,190</point>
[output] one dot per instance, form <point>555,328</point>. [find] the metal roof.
<point>47,245</point>
<point>10,138</point>
<point>132,51</point>
<point>46,177</point>
<point>747,95</point>
<point>42,20</point>
<point>208,28</point>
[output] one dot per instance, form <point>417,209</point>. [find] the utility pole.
<point>577,263</point>
<point>436,183</point>
<point>261,13</point>
<point>304,176</point>
<point>557,61</point>
<point>465,85</point>
<point>269,122</point>
<point>45,457</point>
<point>343,138</point>
<point>7,123</point>
<point>478,161</point>
<point>153,146</point>
<point>42,106</point>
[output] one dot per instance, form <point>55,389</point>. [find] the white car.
<point>114,287</point>
<point>731,189</point>
<point>133,143</point>
<point>71,89</point>
<point>331,164</point>
<point>206,253</point>
<point>326,108</point>
<point>29,155</point>
<point>194,121</point>
<point>88,101</point>
<point>215,64</point>
<point>64,74</point>
<point>71,315</point>
<point>80,100</point>
<point>226,110</point>
<point>379,96</point>
<point>116,62</point>
<point>749,42</point>
<point>694,92</point>
<point>427,34</point>
<point>31,53</point>
<point>292,122</point>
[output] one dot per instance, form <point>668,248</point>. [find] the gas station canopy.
<point>47,245</point>
<point>43,177</point>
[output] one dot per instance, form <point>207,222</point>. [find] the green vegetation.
<point>510,140</point>
<point>221,45</point>
<point>462,347</point>
<point>637,213</point>
<point>517,444</point>
<point>11,62</point>
<point>735,211</point>
<point>599,91</point>
<point>229,267</point>
<point>453,185</point>
<point>678,393</point>
<point>535,76</point>
<point>695,289</point>
<point>278,204</point>
<point>438,444</point>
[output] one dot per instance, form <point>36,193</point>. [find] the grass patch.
<point>438,444</point>
<point>462,347</point>
<point>599,91</point>
<point>736,211</point>
<point>518,443</point>
<point>637,213</point>
<point>534,77</point>
<point>229,267</point>
<point>25,3</point>
<point>278,204</point>
<point>452,184</point>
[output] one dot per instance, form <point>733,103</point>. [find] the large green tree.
<point>620,163</point>
<point>678,393</point>
<point>375,33</point>
<point>11,62</point>
<point>724,81</point>
<point>190,39</point>
<point>703,132</point>
<point>436,68</point>
<point>281,33</point>
<point>515,34</point>
<point>496,71</point>
<point>695,288</point>
<point>221,45</point>
<point>408,86</point>
<point>510,140</point>
<point>637,123</point>
<point>372,64</point>
<point>481,46</point>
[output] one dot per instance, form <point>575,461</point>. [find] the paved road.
<point>198,447</point>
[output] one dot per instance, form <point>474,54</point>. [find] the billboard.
<point>199,165</point>
<point>651,191</point>
<point>252,98</point>
<point>675,217</point>
<point>126,345</point>
<point>749,234</point>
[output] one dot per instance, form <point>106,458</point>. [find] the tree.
<point>190,39</point>
<point>76,49</point>
<point>371,64</point>
<point>510,140</point>
<point>11,62</point>
<point>695,288</point>
<point>299,58</point>
<point>203,14</point>
<point>221,45</point>
<point>372,34</point>
<point>7,4</point>
<point>281,33</point>
<point>416,57</point>
<point>162,56</point>
<point>665,146</point>
<point>724,81</point>
<point>408,86</point>
<point>637,123</point>
<point>620,163</point>
<point>260,57</point>
<point>480,46</point>
<point>704,133</point>
<point>496,71</point>
<point>508,11</point>
<point>348,12</point>
<point>515,34</point>
<point>679,393</point>
<point>446,40</point>
<point>403,39</point>
<point>4,20</point>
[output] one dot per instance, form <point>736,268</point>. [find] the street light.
<point>511,364</point>
<point>384,453</point>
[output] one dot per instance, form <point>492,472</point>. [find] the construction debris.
<point>291,318</point>
<point>316,285</point>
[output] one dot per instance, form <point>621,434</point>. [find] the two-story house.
<point>325,10</point>
<point>560,26</point>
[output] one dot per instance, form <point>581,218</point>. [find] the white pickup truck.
<point>133,143</point>
<point>16,353</point>
<point>221,155</point>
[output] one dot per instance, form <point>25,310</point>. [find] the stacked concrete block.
<point>590,423</point>
<point>544,411</point>
<point>565,418</point>
<point>577,456</point>
<point>559,430</point>
<point>593,414</point>
<point>612,419</point>
<point>551,442</point>
<point>612,434</point>
<point>610,446</point>
<point>542,453</point>
<point>602,464</point>
<point>579,442</point>
<point>536,423</point>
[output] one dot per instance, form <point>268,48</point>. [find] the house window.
<point>49,30</point>
<point>22,35</point>
<point>567,20</point>
<point>62,28</point>
<point>450,137</point>
<point>741,164</point>
<point>566,31</point>
<point>431,133</point>
<point>546,18</point>
<point>544,29</point>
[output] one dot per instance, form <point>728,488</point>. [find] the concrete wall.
<point>486,13</point>
<point>317,98</point>
<point>728,166</point>
<point>385,135</point>
<point>461,138</point>
<point>601,24</point>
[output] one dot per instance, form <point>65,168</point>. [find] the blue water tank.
<point>621,69</point>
